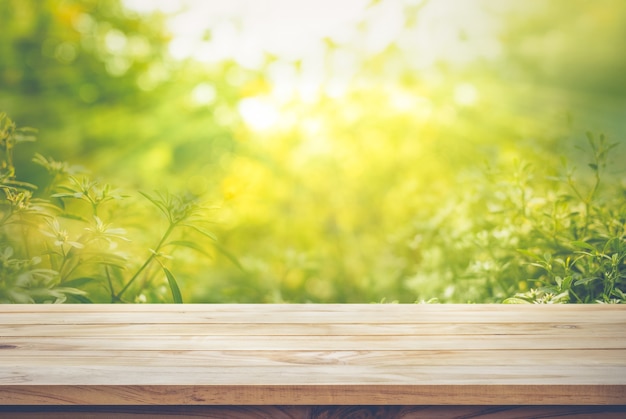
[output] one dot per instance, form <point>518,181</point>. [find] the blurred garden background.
<point>313,151</point>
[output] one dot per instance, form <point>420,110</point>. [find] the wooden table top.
<point>313,354</point>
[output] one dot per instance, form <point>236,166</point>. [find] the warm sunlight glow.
<point>258,113</point>
<point>297,35</point>
<point>312,151</point>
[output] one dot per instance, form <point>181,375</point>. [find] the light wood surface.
<point>312,355</point>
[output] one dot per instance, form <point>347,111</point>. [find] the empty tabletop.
<point>348,354</point>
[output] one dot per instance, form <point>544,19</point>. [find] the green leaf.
<point>19,184</point>
<point>158,204</point>
<point>178,298</point>
<point>514,300</point>
<point>68,290</point>
<point>583,245</point>
<point>561,298</point>
<point>202,231</point>
<point>530,254</point>
<point>567,282</point>
<point>81,299</point>
<point>229,255</point>
<point>189,244</point>
<point>584,281</point>
<point>28,129</point>
<point>78,282</point>
<point>619,294</point>
<point>558,281</point>
<point>25,134</point>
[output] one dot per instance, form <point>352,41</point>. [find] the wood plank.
<point>316,342</point>
<point>299,317</point>
<point>253,357</point>
<point>358,394</point>
<point>163,412</point>
<point>304,354</point>
<point>316,375</point>
<point>313,412</point>
<point>310,329</point>
<point>303,313</point>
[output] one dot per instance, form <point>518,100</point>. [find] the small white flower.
<point>60,236</point>
<point>104,231</point>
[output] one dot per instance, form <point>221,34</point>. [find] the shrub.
<point>523,236</point>
<point>66,241</point>
<point>516,235</point>
<point>580,248</point>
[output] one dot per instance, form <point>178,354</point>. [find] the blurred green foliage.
<point>415,182</point>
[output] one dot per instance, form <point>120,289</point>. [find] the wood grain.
<point>314,412</point>
<point>312,355</point>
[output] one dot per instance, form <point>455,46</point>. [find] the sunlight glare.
<point>319,46</point>
<point>258,113</point>
<point>203,94</point>
<point>465,94</point>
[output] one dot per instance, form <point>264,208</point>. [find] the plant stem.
<point>108,274</point>
<point>24,236</point>
<point>147,262</point>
